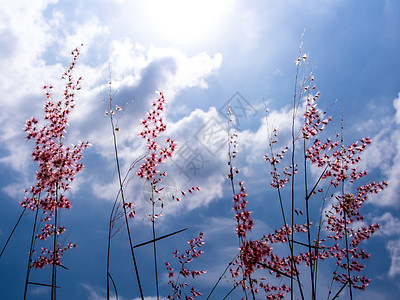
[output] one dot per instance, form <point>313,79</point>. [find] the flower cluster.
<point>184,259</point>
<point>58,163</point>
<point>339,164</point>
<point>153,127</point>
<point>47,257</point>
<point>338,234</point>
<point>253,255</point>
<point>258,254</point>
<point>340,221</point>
<point>278,180</point>
<point>130,209</point>
<point>243,217</point>
<point>313,122</point>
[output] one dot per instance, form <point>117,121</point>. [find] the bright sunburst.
<point>186,21</point>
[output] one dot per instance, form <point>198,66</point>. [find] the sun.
<point>185,21</point>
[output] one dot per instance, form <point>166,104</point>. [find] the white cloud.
<point>100,294</point>
<point>396,104</point>
<point>84,33</point>
<point>256,143</point>
<point>24,21</point>
<point>40,291</point>
<point>136,73</point>
<point>389,225</point>
<point>147,74</point>
<point>198,161</point>
<point>133,64</point>
<point>384,155</point>
<point>394,249</point>
<point>47,36</point>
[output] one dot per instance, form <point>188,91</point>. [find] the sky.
<point>204,56</point>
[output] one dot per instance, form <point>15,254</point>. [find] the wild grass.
<point>320,222</point>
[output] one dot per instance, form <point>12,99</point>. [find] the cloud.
<point>135,73</point>
<point>33,57</point>
<point>30,34</point>
<point>94,294</point>
<point>389,225</point>
<point>396,104</point>
<point>85,33</point>
<point>135,85</point>
<point>100,294</point>
<point>166,69</point>
<point>256,142</point>
<point>198,161</point>
<point>394,249</point>
<point>383,155</point>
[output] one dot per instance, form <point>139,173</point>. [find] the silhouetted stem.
<point>43,284</point>
<point>292,264</point>
<point>55,241</point>
<point>110,226</point>
<point>220,277</point>
<point>12,232</point>
<point>115,287</point>
<point>344,214</point>
<point>347,255</point>
<point>230,292</point>
<point>123,203</point>
<point>28,268</point>
<point>331,285</point>
<point>295,107</point>
<point>231,176</point>
<point>109,248</point>
<point>339,291</point>
<point>159,238</point>
<point>284,220</point>
<point>308,221</point>
<point>154,238</point>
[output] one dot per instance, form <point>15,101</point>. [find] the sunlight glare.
<point>186,21</point>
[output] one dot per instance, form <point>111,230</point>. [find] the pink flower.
<point>58,163</point>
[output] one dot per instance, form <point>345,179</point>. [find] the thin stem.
<point>123,199</point>
<point>110,227</point>
<point>339,291</point>
<point>114,285</point>
<point>296,103</point>
<point>220,277</point>
<point>12,232</point>
<point>177,280</point>
<point>159,238</point>
<point>284,215</point>
<point>28,268</point>
<point>153,221</point>
<point>345,212</point>
<point>316,184</point>
<point>230,292</point>
<point>331,285</point>
<point>321,221</point>
<point>347,255</point>
<point>55,241</point>
<point>308,221</point>
<point>293,173</point>
<point>292,206</point>
<point>231,176</point>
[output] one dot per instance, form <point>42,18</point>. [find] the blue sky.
<point>201,55</point>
